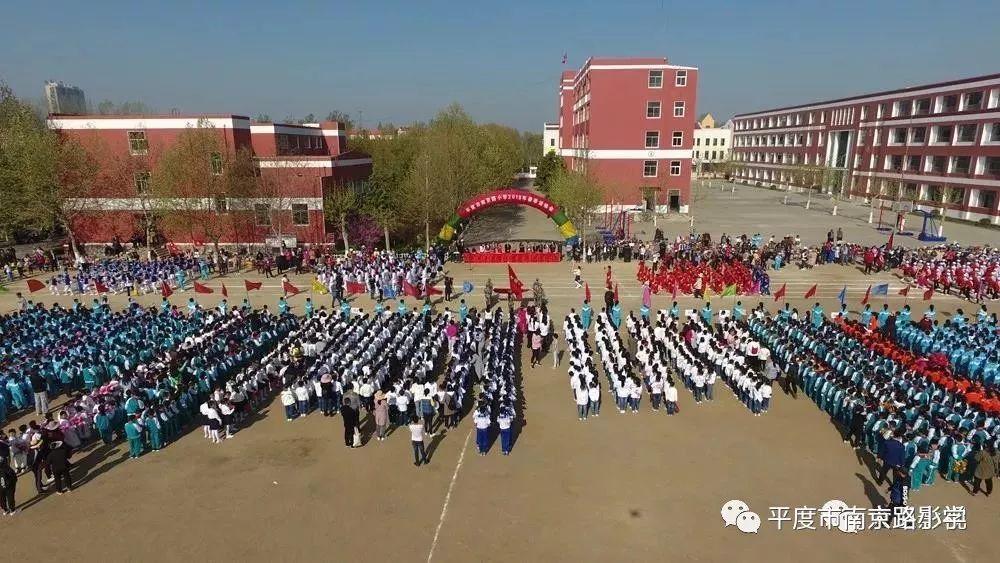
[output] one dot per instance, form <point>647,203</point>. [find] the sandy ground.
<point>643,487</point>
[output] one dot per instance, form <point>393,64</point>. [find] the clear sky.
<point>402,60</point>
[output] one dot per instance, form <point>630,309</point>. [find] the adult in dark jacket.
<point>8,485</point>
<point>40,388</point>
<point>893,455</point>
<point>350,415</point>
<point>985,459</point>
<point>59,464</point>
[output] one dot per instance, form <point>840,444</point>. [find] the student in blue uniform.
<point>309,308</point>
<point>133,432</point>
<point>282,305</point>
<point>463,312</point>
<point>586,315</point>
<point>738,312</point>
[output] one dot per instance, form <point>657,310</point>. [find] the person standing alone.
<point>417,440</point>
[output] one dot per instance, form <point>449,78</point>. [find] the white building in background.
<point>711,144</point>
<point>65,99</point>
<point>550,138</point>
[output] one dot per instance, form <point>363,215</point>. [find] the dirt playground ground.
<point>643,487</point>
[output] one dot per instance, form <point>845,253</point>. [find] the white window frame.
<point>682,107</point>
<point>675,164</point>
<point>144,150</point>
<point>645,165</point>
<point>681,78</point>
<point>646,140</point>
<point>141,177</point>
<point>659,109</point>
<point>958,133</point>
<point>649,79</point>
<point>677,139</point>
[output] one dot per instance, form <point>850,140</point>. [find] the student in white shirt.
<point>594,394</point>
<point>634,394</point>
<point>417,441</point>
<point>288,401</point>
<point>709,383</point>
<point>698,380</point>
<point>670,396</point>
<point>582,402</point>
<point>765,393</point>
<point>656,391</point>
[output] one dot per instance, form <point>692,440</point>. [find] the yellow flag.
<point>318,287</point>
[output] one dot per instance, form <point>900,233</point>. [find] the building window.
<point>221,203</point>
<point>966,133</point>
<point>653,110</point>
<point>995,133</point>
<point>898,136</point>
<point>918,135</point>
<point>913,163</point>
<point>987,199</point>
<point>677,139</point>
<point>678,109</point>
<point>682,78</point>
<point>656,79</point>
<point>652,139</point>
<point>722,141</point>
<point>922,106</point>
<point>675,168</point>
<point>715,142</point>
<point>697,142</point>
<point>942,134</point>
<point>714,155</point>
<point>300,214</point>
<point>937,164</point>
<point>973,101</point>
<point>552,142</point>
<point>697,154</point>
<point>137,143</point>
<point>262,214</point>
<point>961,165</point>
<point>949,104</point>
<point>992,166</point>
<point>141,180</point>
<point>649,169</point>
<point>217,164</point>
<point>283,143</point>
<point>934,193</point>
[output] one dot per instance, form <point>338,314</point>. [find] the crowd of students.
<point>969,272</point>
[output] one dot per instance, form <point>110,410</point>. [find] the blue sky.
<point>402,60</point>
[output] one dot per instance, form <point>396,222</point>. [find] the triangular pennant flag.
<point>467,287</point>
<point>35,285</point>
<point>778,294</point>
<point>729,290</point>
<point>516,287</point>
<point>409,290</point>
<point>251,286</point>
<point>811,292</point>
<point>888,245</point>
<point>100,287</point>
<point>318,287</point>
<point>165,290</point>
<point>586,292</point>
<point>868,294</point>
<point>905,291</point>
<point>928,294</point>
<point>199,288</point>
<point>881,289</point>
<point>290,289</point>
<point>431,290</point>
<point>224,292</point>
<point>389,292</point>
<point>842,297</point>
<point>355,287</point>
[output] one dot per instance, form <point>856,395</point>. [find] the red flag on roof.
<point>251,286</point>
<point>199,288</point>
<point>35,285</point>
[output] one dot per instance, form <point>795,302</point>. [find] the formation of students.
<point>380,274</point>
<point>969,272</point>
<point>910,409</point>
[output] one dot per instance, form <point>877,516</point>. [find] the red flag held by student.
<point>251,286</point>
<point>811,292</point>
<point>777,294</point>
<point>616,294</point>
<point>892,236</point>
<point>165,290</point>
<point>199,288</point>
<point>928,294</point>
<point>35,285</point>
<point>100,287</point>
<point>355,287</point>
<point>224,292</point>
<point>868,293</point>
<point>408,289</point>
<point>431,290</point>
<point>516,287</point>
<point>586,291</point>
<point>905,291</point>
<point>674,291</point>
<point>289,288</point>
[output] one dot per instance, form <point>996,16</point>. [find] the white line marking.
<point>447,497</point>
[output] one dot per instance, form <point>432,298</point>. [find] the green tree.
<point>576,193</point>
<point>532,150</point>
<point>549,167</point>
<point>45,180</point>
<point>342,117</point>
<point>188,184</point>
<point>338,203</point>
<point>392,162</point>
<point>262,118</point>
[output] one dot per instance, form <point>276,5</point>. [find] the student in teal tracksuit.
<point>402,309</point>
<point>309,308</point>
<point>152,424</point>
<point>103,424</point>
<point>133,432</point>
<point>586,315</point>
<point>379,308</point>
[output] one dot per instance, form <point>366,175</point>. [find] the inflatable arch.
<point>509,197</point>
